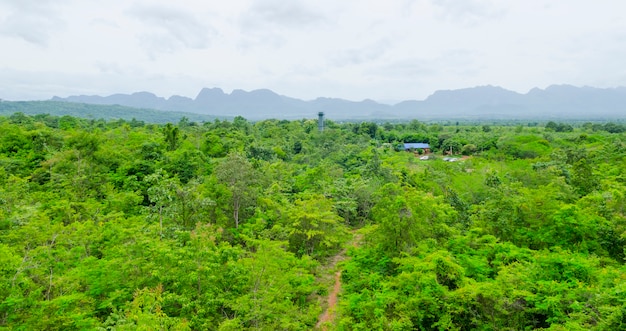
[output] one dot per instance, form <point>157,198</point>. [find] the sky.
<point>387,50</point>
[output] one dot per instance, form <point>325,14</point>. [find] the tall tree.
<point>236,172</point>
<point>172,136</point>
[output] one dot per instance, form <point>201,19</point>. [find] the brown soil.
<point>328,315</point>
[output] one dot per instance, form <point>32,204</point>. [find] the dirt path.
<point>328,315</point>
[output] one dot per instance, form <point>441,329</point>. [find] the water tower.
<point>320,121</point>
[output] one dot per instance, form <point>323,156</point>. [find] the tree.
<point>145,312</point>
<point>469,149</point>
<point>213,146</point>
<point>584,180</point>
<point>275,294</point>
<point>313,227</point>
<point>172,136</point>
<point>405,216</point>
<point>161,195</point>
<point>180,204</point>
<point>368,128</point>
<point>238,175</point>
<point>552,126</point>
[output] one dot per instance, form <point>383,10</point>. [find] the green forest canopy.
<point>225,225</point>
<point>95,112</point>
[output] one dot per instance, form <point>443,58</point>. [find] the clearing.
<point>328,316</point>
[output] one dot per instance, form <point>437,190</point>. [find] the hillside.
<point>273,225</point>
<point>97,111</point>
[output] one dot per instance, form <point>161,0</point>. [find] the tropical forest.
<point>232,224</point>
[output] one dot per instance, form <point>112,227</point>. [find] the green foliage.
<point>406,216</point>
<point>145,312</point>
<point>172,136</point>
<point>237,174</point>
<point>107,112</point>
<point>124,225</point>
<point>559,127</point>
<point>314,227</point>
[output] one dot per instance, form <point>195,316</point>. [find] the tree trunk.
<point>236,206</point>
<point>160,222</point>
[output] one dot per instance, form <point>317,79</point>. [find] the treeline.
<point>608,127</point>
<point>97,112</point>
<point>225,225</point>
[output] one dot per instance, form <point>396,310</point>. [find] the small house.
<point>417,146</point>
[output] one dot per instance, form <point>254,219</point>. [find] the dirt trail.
<point>328,315</point>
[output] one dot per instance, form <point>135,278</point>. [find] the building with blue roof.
<point>417,146</point>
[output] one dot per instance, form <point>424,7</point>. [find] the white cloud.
<point>400,49</point>
<point>31,21</point>
<point>275,23</point>
<point>169,29</point>
<point>470,12</point>
<point>357,56</point>
<point>278,13</point>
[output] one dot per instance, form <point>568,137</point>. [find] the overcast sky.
<point>354,49</point>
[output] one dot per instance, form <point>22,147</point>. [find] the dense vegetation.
<point>92,111</point>
<point>225,225</point>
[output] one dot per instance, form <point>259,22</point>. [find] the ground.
<point>330,302</point>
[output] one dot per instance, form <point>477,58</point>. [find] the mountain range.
<point>562,102</point>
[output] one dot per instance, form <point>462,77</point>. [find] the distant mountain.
<point>477,103</point>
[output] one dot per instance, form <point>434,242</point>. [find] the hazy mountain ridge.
<point>482,102</point>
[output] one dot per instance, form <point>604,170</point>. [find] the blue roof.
<point>415,145</point>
